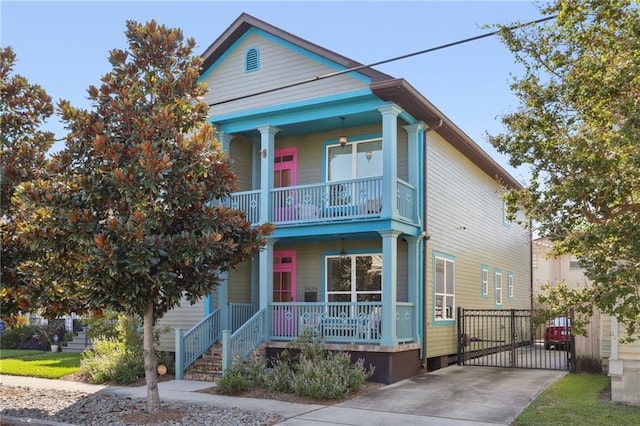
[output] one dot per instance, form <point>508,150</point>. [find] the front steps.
<point>80,343</point>
<point>208,367</point>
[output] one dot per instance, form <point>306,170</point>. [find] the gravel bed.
<point>80,408</point>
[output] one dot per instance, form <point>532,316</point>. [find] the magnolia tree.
<point>24,107</point>
<point>578,128</point>
<point>131,200</point>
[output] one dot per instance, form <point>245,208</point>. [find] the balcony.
<point>326,202</point>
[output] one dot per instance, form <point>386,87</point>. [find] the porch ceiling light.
<point>342,139</point>
<point>343,252</point>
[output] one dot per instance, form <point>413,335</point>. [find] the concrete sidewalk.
<point>451,396</point>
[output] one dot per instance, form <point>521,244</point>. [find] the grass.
<point>13,353</point>
<point>576,400</point>
<point>48,365</point>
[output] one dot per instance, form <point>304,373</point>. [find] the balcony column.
<point>415,134</point>
<point>225,141</point>
<point>389,287</point>
<point>267,147</point>
<point>414,269</point>
<point>390,163</point>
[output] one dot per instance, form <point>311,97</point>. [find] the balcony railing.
<point>325,202</point>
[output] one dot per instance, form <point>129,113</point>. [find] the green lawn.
<point>12,353</point>
<point>575,400</point>
<point>48,365</point>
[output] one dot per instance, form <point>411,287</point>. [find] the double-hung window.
<point>445,282</point>
<point>484,285</point>
<point>510,285</point>
<point>498,287</point>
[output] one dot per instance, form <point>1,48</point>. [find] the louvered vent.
<point>253,60</point>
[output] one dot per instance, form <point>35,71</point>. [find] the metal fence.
<point>511,338</point>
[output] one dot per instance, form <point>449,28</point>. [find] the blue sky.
<point>63,46</point>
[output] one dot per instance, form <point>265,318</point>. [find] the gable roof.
<point>382,85</point>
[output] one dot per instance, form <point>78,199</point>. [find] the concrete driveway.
<point>450,396</point>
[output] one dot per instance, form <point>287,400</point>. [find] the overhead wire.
<point>397,58</point>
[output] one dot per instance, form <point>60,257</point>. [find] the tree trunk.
<point>153,397</point>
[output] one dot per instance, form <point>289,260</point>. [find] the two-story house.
<point>387,215</point>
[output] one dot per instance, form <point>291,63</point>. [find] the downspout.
<point>425,235</point>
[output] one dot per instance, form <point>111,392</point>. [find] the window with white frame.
<point>445,281</point>
<point>498,286</point>
<point>510,285</point>
<point>485,280</point>
<point>354,278</point>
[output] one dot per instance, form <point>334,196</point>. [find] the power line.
<point>397,58</point>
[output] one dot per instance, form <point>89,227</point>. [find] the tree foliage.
<point>131,201</point>
<point>578,128</point>
<point>24,107</point>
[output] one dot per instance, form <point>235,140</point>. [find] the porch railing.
<point>406,200</point>
<point>247,201</point>
<point>327,201</point>
<point>239,313</point>
<point>243,341</point>
<point>405,322</point>
<point>357,322</point>
<point>196,341</point>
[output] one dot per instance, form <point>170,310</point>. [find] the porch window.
<point>360,159</point>
<point>354,278</point>
<point>445,282</point>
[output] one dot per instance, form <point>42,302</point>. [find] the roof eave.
<point>409,99</point>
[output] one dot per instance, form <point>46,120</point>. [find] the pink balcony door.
<point>284,175</point>
<point>284,290</point>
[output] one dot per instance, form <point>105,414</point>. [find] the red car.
<point>558,333</point>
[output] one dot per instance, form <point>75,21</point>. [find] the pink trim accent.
<point>290,165</point>
<point>287,267</point>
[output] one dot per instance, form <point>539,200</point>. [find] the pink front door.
<point>284,290</point>
<point>284,175</point>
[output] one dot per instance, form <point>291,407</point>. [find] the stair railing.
<point>196,341</point>
<point>245,340</point>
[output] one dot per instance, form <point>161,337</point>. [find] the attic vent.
<point>252,60</point>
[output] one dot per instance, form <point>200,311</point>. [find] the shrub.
<point>24,337</point>
<point>110,361</point>
<point>588,364</point>
<point>234,380</point>
<point>303,368</point>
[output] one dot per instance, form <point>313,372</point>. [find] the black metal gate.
<point>509,338</point>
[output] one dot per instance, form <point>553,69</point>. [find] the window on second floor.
<point>355,160</point>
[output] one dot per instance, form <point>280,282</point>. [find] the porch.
<point>350,326</point>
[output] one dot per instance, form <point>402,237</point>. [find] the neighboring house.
<point>622,361</point>
<point>548,269</point>
<point>387,216</point>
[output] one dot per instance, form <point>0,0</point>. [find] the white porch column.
<point>223,300</point>
<point>389,286</point>
<point>415,134</point>
<point>223,288</point>
<point>413,277</point>
<point>266,281</point>
<point>390,163</point>
<point>267,146</point>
